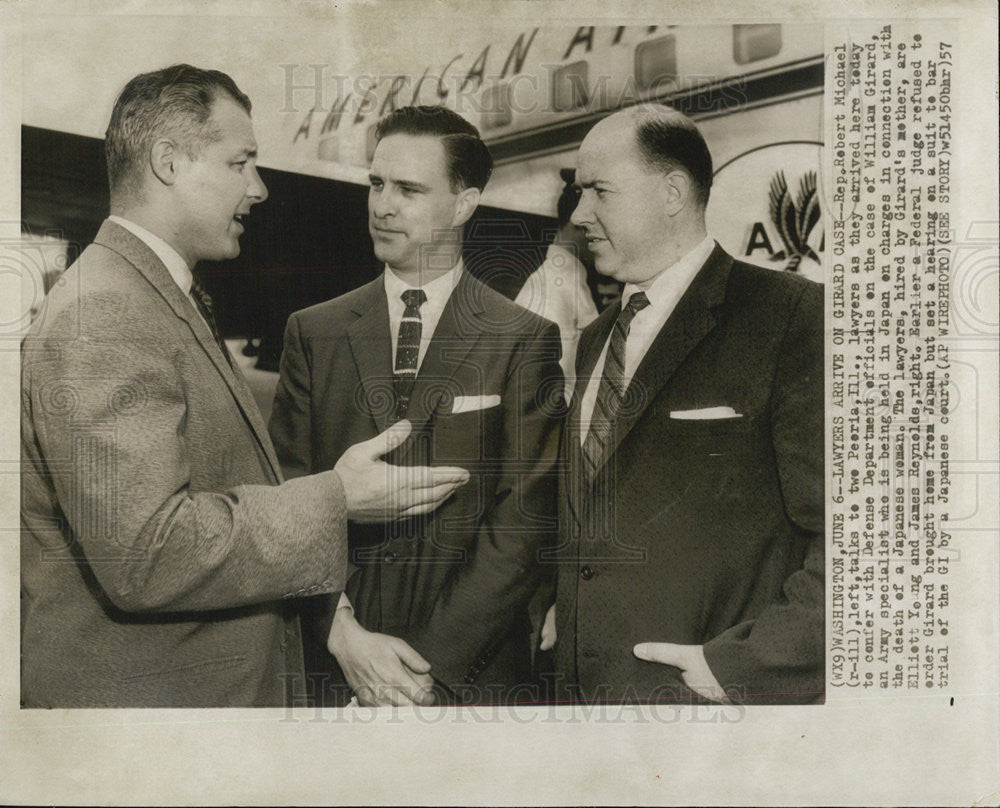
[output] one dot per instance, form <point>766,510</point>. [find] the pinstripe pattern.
<point>408,349</point>
<point>611,390</point>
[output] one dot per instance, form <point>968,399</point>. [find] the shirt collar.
<point>172,260</point>
<point>437,290</point>
<point>672,282</point>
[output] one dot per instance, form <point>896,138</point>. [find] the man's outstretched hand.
<point>379,492</point>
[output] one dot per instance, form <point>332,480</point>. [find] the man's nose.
<point>383,204</point>
<point>581,213</point>
<point>256,189</point>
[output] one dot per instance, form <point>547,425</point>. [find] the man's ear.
<point>679,191</point>
<point>465,205</point>
<point>163,156</point>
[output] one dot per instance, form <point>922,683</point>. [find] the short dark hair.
<point>668,140</point>
<point>176,100</point>
<point>467,160</point>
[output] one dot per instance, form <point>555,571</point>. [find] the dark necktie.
<point>203,300</point>
<point>612,387</point>
<point>408,348</point>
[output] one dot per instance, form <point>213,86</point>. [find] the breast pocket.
<point>693,489</point>
<point>706,439</point>
<point>467,437</point>
<point>689,462</point>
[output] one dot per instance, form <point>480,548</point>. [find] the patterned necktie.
<point>612,387</point>
<point>408,348</point>
<point>203,300</point>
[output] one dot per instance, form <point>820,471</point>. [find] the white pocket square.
<point>706,413</point>
<point>473,403</point>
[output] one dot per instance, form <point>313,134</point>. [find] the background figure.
<point>557,290</point>
<point>606,291</point>
<point>691,554</point>
<point>441,598</point>
<point>161,551</point>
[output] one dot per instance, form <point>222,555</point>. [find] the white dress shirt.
<point>176,266</point>
<point>664,292</point>
<point>438,291</point>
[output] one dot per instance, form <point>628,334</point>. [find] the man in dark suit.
<point>436,606</point>
<point>161,551</point>
<point>691,557</point>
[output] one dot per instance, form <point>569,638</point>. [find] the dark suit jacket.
<point>157,546</point>
<point>454,584</point>
<point>704,531</point>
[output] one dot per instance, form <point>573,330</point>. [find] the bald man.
<point>691,555</point>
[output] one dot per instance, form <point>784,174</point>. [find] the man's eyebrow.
<point>248,151</point>
<point>419,186</point>
<point>412,184</point>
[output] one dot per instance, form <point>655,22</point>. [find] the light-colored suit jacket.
<point>160,550</point>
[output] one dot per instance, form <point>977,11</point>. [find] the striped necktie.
<point>203,300</point>
<point>612,387</point>
<point>408,348</point>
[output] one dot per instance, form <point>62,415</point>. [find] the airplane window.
<point>569,87</point>
<point>656,62</point>
<point>753,42</point>
<point>329,149</point>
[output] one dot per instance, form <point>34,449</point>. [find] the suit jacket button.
<point>389,558</point>
<point>586,573</point>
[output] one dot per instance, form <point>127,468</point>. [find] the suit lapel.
<point>688,324</point>
<point>458,330</point>
<point>142,257</point>
<point>369,337</point>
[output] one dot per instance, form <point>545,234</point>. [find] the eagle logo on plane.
<point>794,218</point>
<point>766,207</point>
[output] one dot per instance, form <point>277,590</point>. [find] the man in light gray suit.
<point>161,550</point>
